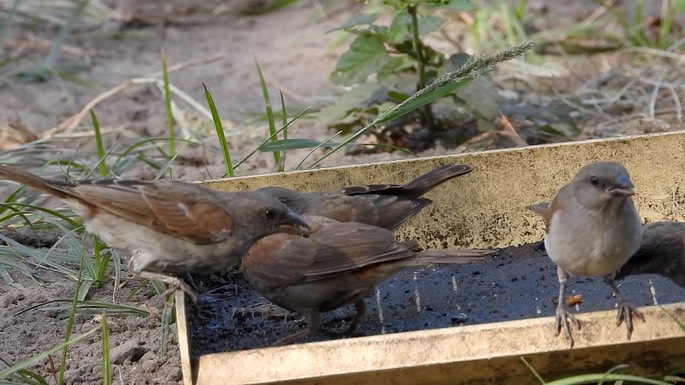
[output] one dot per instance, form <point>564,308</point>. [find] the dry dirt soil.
<point>296,56</point>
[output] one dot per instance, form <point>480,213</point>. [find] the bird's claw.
<point>175,283</point>
<point>626,312</point>
<point>562,318</point>
<point>262,310</point>
<point>184,287</point>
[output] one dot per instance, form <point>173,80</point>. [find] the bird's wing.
<point>386,211</point>
<point>335,249</point>
<point>180,209</point>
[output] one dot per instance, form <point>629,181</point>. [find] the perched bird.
<point>382,205</point>
<point>592,230</point>
<point>662,252</point>
<point>169,227</point>
<point>336,264</point>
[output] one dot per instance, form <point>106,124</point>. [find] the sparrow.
<point>593,229</point>
<point>662,252</point>
<point>383,205</point>
<point>169,227</point>
<point>335,264</point>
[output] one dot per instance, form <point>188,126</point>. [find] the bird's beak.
<point>293,219</point>
<point>622,187</point>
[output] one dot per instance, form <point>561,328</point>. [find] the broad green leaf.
<point>456,61</point>
<point>428,24</point>
<point>353,99</point>
<point>394,67</point>
<point>365,57</point>
<point>423,100</point>
<point>456,4</point>
<point>361,19</point>
<point>397,96</point>
<point>481,96</point>
<point>552,131</point>
<point>465,5</point>
<point>270,6</point>
<point>401,27</point>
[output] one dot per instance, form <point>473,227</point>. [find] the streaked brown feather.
<point>329,250</point>
<point>175,208</point>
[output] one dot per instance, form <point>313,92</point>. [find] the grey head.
<point>601,185</point>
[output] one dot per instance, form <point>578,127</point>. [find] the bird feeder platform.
<point>483,209</point>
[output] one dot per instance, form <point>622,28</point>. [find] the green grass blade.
<point>25,377</point>
<point>318,147</point>
<point>101,259</point>
<point>171,122</point>
<point>219,132</point>
<point>597,377</point>
<point>270,138</point>
<point>7,24</point>
<point>674,318</point>
<point>281,164</point>
<point>106,362</point>
<point>269,6</point>
<point>295,144</point>
<point>167,320</point>
<point>51,58</point>
<point>675,379</point>
<point>102,166</point>
<point>89,307</point>
<point>269,110</point>
<point>70,325</point>
<point>667,13</point>
<point>40,357</point>
<point>532,369</point>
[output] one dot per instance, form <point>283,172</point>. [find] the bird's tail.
<point>415,188</point>
<point>432,179</point>
<point>31,180</point>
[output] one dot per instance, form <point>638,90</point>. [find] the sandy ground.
<point>296,56</point>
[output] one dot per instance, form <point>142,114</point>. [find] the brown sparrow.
<point>382,205</point>
<point>662,252</point>
<point>336,264</point>
<point>169,227</point>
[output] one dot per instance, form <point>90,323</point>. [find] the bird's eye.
<point>594,180</point>
<point>269,214</point>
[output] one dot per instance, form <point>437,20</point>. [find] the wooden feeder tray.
<point>505,301</point>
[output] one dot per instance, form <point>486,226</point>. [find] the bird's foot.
<point>348,329</point>
<point>224,291</point>
<point>292,338</point>
<point>562,318</point>
<point>174,283</point>
<point>262,309</point>
<point>185,288</point>
<point>626,312</point>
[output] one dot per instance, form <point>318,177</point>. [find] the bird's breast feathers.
<point>590,247</point>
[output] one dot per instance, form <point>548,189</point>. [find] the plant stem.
<point>420,67</point>
<point>419,46</point>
